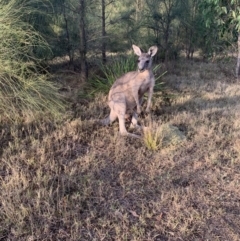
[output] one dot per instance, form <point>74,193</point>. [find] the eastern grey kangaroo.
<point>125,95</point>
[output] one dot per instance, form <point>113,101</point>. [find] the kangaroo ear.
<point>136,50</point>
<point>152,50</point>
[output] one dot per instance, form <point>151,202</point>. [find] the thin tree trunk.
<point>104,59</point>
<point>166,40</point>
<point>138,10</point>
<point>83,42</point>
<point>69,48</point>
<point>238,60</point>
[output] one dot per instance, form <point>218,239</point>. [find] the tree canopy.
<point>85,30</point>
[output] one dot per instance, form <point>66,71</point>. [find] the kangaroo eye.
<point>147,61</point>
<point>138,60</point>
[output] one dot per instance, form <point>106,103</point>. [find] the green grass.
<point>24,89</point>
<point>153,137</point>
<point>110,72</point>
<point>115,68</point>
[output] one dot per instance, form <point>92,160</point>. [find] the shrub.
<point>113,70</point>
<point>24,88</point>
<point>158,136</point>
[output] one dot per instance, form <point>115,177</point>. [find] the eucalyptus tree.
<point>105,8</point>
<point>126,24</point>
<point>70,27</point>
<point>161,20</point>
<point>235,20</point>
<point>83,40</point>
<point>225,15</point>
<point>82,27</point>
<point>190,30</point>
<point>66,28</point>
<point>103,31</point>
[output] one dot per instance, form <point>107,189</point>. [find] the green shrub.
<point>113,70</point>
<point>115,67</point>
<point>24,88</point>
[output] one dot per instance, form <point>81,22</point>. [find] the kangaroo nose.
<point>141,67</point>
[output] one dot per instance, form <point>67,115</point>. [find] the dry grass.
<point>76,180</point>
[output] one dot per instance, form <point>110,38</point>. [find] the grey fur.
<point>125,96</point>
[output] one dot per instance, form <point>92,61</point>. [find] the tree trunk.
<point>69,47</point>
<point>104,59</point>
<point>83,42</point>
<point>138,9</point>
<point>238,60</point>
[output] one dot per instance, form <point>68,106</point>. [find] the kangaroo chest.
<point>145,82</point>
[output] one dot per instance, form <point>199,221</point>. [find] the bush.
<point>24,89</point>
<point>113,70</point>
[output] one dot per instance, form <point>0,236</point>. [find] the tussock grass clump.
<point>157,136</point>
<point>153,137</point>
<point>24,89</point>
<point>113,70</point>
<point>110,72</point>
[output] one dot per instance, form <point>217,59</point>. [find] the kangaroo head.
<point>145,59</point>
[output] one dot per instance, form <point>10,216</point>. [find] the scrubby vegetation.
<point>24,90</point>
<point>75,180</point>
<point>65,177</point>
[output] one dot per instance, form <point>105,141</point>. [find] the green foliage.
<point>219,25</point>
<point>189,25</point>
<point>65,24</point>
<point>224,14</point>
<point>24,90</point>
<point>158,84</point>
<point>158,136</point>
<point>110,72</point>
<point>153,138</point>
<point>113,70</point>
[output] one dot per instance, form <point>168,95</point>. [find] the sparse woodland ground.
<point>75,180</point>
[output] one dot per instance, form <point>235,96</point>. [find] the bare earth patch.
<point>77,180</point>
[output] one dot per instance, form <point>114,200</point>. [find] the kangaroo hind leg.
<point>134,123</point>
<point>122,127</point>
<point>110,119</point>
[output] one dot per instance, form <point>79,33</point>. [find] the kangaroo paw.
<point>130,135</point>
